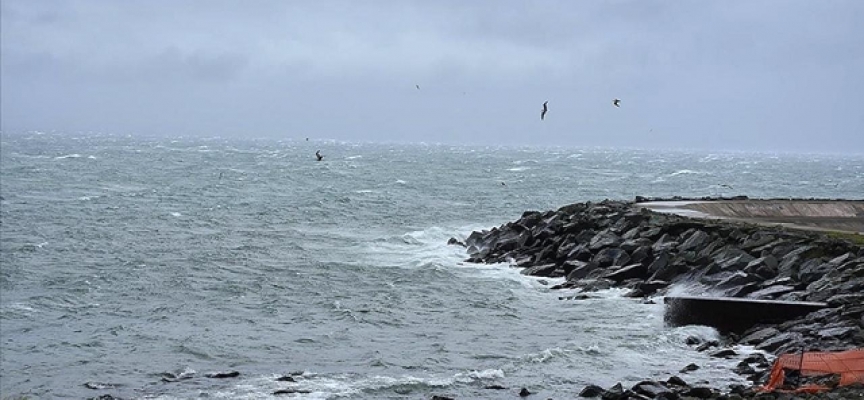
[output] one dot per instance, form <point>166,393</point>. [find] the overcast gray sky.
<point>781,75</point>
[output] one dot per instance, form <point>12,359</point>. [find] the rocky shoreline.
<point>597,246</point>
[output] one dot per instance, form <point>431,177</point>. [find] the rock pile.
<point>609,244</point>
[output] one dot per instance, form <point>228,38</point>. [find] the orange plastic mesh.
<point>848,364</point>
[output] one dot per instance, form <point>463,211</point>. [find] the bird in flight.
<point>318,154</point>
<point>545,109</point>
<point>417,86</point>
<point>616,102</point>
<point>726,186</point>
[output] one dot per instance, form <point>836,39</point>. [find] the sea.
<point>136,267</point>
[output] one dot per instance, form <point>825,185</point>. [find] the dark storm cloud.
<point>759,75</point>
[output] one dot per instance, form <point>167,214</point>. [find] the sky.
<point>741,75</point>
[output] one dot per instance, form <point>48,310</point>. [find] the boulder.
<point>694,241</point>
<point>547,270</point>
<point>759,336</point>
<point>604,239</point>
<point>629,272</point>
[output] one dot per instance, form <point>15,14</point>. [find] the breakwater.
<point>596,246</point>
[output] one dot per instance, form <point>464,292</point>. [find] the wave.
<point>687,172</point>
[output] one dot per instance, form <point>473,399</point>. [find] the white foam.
<point>686,172</point>
<point>68,156</point>
<point>176,214</point>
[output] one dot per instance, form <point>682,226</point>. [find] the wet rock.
<point>604,239</point>
<point>591,391</point>
<point>759,336</point>
<point>707,345</point>
<point>744,368</point>
<point>771,292</point>
<point>689,368</point>
<point>628,272</point>
<point>611,256</point>
<point>223,375</point>
<point>846,299</point>
<point>614,393</point>
<point>547,270</point>
<point>303,391</point>
<point>579,269</point>
<point>837,333</point>
<point>695,241</point>
<point>524,392</point>
<point>677,381</point>
<point>650,389</point>
<point>699,392</point>
<point>725,353</point>
<point>454,241</point>
<point>650,287</point>
<point>494,387</point>
<point>775,342</point>
<point>104,397</point>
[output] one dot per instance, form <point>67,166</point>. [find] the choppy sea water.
<point>125,258</point>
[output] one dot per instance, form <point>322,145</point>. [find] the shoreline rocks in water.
<point>612,244</point>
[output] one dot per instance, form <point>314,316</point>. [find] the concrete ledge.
<point>834,215</point>
<point>732,314</point>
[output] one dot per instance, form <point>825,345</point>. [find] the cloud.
<point>760,74</point>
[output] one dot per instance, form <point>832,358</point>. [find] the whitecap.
<point>517,169</point>
<point>68,156</point>
<point>686,172</point>
<point>176,214</point>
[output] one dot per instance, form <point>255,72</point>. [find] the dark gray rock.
<point>604,239</point>
<point>689,368</point>
<point>759,336</point>
<point>848,299</point>
<point>591,391</point>
<point>699,392</point>
<point>696,240</point>
<point>771,292</point>
<point>775,342</point>
<point>648,288</point>
<point>610,256</point>
<point>725,353</point>
<point>650,389</point>
<point>223,375</point>
<point>629,272</point>
<point>540,270</point>
<point>579,269</point>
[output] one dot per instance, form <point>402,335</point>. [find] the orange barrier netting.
<point>848,364</point>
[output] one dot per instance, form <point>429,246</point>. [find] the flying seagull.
<point>725,185</point>
<point>543,112</point>
<point>615,102</point>
<point>417,86</point>
<point>318,154</point>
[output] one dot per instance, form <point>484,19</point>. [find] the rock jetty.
<point>607,244</point>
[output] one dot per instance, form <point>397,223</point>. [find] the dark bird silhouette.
<point>616,102</point>
<point>503,184</point>
<point>726,186</point>
<point>417,86</point>
<point>307,139</point>
<point>318,154</point>
<point>543,112</point>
